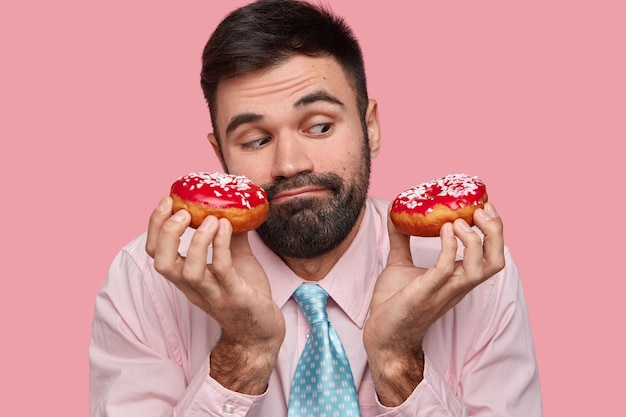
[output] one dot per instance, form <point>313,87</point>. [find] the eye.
<point>255,144</point>
<point>320,129</point>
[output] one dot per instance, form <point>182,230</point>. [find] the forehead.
<point>282,86</point>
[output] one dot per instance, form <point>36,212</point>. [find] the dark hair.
<point>267,33</point>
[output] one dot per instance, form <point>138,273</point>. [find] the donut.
<point>423,209</point>
<point>233,197</point>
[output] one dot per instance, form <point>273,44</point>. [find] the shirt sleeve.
<point>500,375</point>
<point>495,372</point>
<point>137,362</point>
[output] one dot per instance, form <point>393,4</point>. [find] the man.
<point>208,324</point>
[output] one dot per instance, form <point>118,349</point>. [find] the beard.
<point>308,227</point>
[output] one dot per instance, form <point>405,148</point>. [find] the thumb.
<point>399,245</point>
<point>240,244</point>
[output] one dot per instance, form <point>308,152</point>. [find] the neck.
<point>314,269</point>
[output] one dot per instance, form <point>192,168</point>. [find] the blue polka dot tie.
<point>323,385</point>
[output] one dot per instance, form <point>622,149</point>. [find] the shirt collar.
<point>350,282</point>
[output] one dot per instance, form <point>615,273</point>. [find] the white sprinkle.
<point>454,185</point>
<point>235,185</point>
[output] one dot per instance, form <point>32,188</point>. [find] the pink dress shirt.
<point>150,346</point>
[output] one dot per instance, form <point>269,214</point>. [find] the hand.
<point>408,299</point>
<point>233,289</point>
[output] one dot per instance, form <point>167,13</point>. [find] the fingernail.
<point>163,204</point>
<point>179,216</point>
<point>463,224</point>
<point>446,230</point>
<point>207,224</point>
<point>483,214</point>
<point>491,211</point>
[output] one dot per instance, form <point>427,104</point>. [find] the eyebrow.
<point>241,119</point>
<point>304,101</point>
<point>318,96</point>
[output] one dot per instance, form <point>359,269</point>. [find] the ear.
<point>373,128</point>
<point>216,148</point>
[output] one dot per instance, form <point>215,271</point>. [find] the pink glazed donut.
<point>233,197</point>
<point>423,209</point>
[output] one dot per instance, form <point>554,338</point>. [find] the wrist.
<point>396,375</point>
<point>243,368</point>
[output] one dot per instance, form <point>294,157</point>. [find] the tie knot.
<point>312,301</point>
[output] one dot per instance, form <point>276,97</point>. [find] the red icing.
<point>454,190</point>
<point>219,190</point>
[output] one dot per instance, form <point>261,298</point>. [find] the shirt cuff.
<point>207,397</point>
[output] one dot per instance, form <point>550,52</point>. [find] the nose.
<point>290,158</point>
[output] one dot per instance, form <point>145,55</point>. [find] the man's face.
<point>295,130</point>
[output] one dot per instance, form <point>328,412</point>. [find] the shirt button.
<point>228,409</point>
<point>308,333</point>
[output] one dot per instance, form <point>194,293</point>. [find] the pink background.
<point>101,110</point>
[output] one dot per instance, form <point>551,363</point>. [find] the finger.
<point>195,267</point>
<point>399,246</point>
<point>246,265</point>
<point>222,257</point>
<point>167,261</point>
<point>490,223</point>
<point>160,214</point>
<point>449,247</point>
<point>473,268</point>
<point>445,264</point>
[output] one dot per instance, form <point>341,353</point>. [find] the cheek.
<point>254,172</point>
<point>345,158</point>
<point>255,167</point>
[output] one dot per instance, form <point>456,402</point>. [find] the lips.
<point>304,185</point>
<point>289,194</point>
